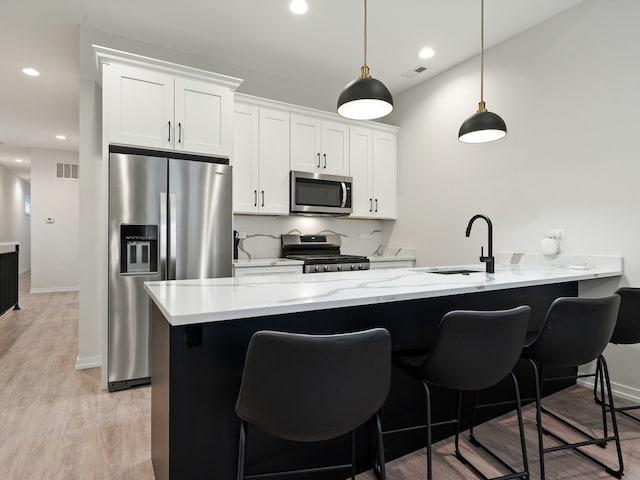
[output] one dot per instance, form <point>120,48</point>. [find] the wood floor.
<point>56,423</point>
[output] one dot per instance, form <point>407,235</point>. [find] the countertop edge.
<point>239,313</point>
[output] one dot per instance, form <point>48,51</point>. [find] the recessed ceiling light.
<point>426,53</point>
<point>32,72</point>
<point>19,160</point>
<point>61,137</point>
<point>298,6</point>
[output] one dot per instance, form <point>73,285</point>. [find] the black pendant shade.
<point>482,127</point>
<point>365,98</point>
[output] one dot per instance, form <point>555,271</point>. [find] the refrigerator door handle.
<point>171,271</point>
<point>162,240</point>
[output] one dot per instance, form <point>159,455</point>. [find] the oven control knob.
<point>361,267</point>
<point>326,268</point>
<point>339,267</point>
<point>353,267</point>
<point>317,269</point>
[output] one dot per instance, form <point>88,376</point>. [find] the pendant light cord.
<point>481,105</point>
<point>364,71</point>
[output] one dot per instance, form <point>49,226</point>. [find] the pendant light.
<point>365,98</point>
<point>483,126</point>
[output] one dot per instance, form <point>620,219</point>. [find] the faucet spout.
<point>489,259</point>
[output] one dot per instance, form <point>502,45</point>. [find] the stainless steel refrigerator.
<point>170,218</point>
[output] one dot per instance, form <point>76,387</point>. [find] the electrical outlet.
<point>557,233</point>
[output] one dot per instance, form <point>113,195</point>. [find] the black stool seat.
<point>473,350</point>
<point>575,332</point>
<point>308,388</point>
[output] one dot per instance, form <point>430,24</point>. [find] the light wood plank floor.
<point>56,423</point>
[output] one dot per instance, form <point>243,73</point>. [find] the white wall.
<point>15,226</point>
<point>568,91</point>
<point>54,246</point>
<point>93,230</point>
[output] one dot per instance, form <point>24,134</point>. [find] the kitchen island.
<point>201,328</point>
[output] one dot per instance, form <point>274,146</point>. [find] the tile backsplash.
<point>359,237</point>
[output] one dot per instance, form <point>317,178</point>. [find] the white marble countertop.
<point>185,302</point>
<point>265,262</point>
<point>9,244</point>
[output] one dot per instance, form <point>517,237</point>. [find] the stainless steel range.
<point>321,253</point>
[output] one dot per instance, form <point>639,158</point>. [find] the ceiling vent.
<point>414,71</point>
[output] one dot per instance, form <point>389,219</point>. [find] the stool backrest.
<point>314,387</point>
<point>476,349</point>
<point>628,325</point>
<point>575,330</point>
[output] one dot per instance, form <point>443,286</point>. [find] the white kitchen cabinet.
<point>269,270</point>
<point>260,160</point>
<point>155,109</point>
<point>373,162</point>
<point>319,146</point>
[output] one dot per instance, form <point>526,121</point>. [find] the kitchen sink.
<point>454,272</point>
<point>461,271</point>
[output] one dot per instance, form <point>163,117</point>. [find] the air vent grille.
<point>67,170</point>
<point>414,71</point>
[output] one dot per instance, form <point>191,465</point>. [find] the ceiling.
<point>322,47</point>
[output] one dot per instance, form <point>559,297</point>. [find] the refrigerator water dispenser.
<point>138,249</point>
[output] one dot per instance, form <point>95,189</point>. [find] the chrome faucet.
<point>489,260</point>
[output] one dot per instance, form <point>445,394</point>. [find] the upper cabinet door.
<point>318,146</point>
<point>335,148</point>
<point>306,134</point>
<point>202,117</point>
<point>384,175</point>
<point>274,162</point>
<point>245,159</point>
<point>360,162</point>
<point>140,104</point>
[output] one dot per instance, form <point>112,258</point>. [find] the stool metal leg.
<point>242,449</point>
<point>536,381</point>
<point>380,454</point>
<point>353,455</point>
<point>429,453</point>
<point>590,439</point>
<point>524,473</point>
<point>614,423</point>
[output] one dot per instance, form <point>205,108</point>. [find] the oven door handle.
<point>344,195</point>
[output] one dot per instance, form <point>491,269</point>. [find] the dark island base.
<point>196,372</point>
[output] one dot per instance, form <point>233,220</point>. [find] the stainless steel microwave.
<point>320,194</point>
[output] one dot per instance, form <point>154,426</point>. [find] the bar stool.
<point>627,332</point>
<point>473,350</point>
<point>575,332</point>
<point>309,388</point>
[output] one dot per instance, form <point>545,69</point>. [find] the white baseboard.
<point>88,362</point>
<point>619,390</point>
<point>53,289</point>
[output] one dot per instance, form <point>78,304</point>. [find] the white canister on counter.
<point>550,246</point>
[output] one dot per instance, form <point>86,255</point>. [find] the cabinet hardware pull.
<point>318,159</point>
<point>255,198</point>
<point>371,204</point>
<point>179,132</point>
<point>325,160</point>
<point>262,197</point>
<point>169,130</point>
<point>376,205</point>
